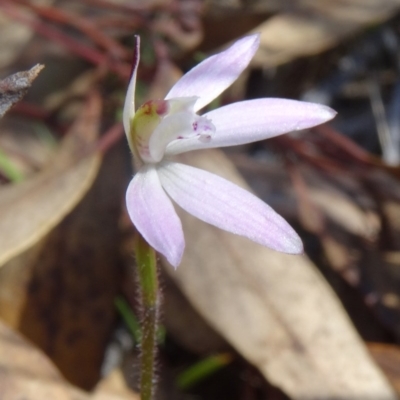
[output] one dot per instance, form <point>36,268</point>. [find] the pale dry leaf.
<point>320,199</point>
<point>13,38</point>
<point>343,258</point>
<point>14,87</point>
<point>78,301</point>
<point>356,9</point>
<point>14,35</point>
<point>15,281</point>
<point>312,27</point>
<point>114,387</point>
<point>391,210</point>
<point>298,27</point>
<point>289,36</point>
<point>346,212</point>
<point>26,373</point>
<point>29,210</point>
<point>275,309</point>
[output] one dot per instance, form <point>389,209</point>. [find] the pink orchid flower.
<point>160,129</point>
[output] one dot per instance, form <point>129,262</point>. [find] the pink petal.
<point>129,106</point>
<point>212,76</point>
<point>254,120</point>
<point>154,216</point>
<point>227,206</point>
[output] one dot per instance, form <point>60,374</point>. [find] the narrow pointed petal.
<point>154,216</point>
<point>227,206</point>
<point>254,120</point>
<point>212,76</point>
<point>129,106</point>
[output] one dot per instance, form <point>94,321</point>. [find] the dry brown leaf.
<point>60,293</point>
<point>314,26</point>
<point>359,10</point>
<point>14,284</point>
<point>289,36</point>
<point>388,358</point>
<point>343,258</point>
<point>15,36</point>
<point>114,385</point>
<point>69,306</point>
<point>323,197</point>
<point>14,87</point>
<point>301,27</point>
<point>346,213</point>
<point>29,210</point>
<point>13,39</point>
<point>25,373</point>
<point>275,309</point>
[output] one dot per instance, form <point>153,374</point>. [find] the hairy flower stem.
<point>149,296</point>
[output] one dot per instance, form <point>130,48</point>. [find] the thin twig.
<point>86,52</point>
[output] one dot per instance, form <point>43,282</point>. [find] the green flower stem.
<point>148,282</point>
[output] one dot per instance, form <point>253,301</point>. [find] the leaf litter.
<point>271,309</point>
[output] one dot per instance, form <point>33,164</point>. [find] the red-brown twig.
<point>86,52</point>
<point>114,48</point>
<point>111,137</point>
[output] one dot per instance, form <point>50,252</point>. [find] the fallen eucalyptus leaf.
<point>346,213</point>
<point>297,28</point>
<point>68,299</point>
<point>26,373</point>
<point>29,210</point>
<point>275,309</point>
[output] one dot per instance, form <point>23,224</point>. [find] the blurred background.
<point>239,322</point>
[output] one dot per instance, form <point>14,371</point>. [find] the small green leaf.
<point>129,317</point>
<point>9,170</point>
<point>202,370</point>
<point>132,321</point>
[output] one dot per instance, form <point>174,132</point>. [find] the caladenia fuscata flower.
<point>160,129</point>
